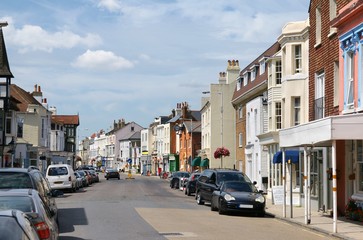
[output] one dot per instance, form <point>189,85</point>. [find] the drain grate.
<point>171,234</point>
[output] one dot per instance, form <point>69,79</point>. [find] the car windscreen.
<point>15,180</point>
<point>22,203</point>
<point>10,229</point>
<point>57,171</point>
<point>238,187</point>
<point>230,176</point>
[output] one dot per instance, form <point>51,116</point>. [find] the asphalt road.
<point>146,208</point>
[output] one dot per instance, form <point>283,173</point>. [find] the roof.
<point>66,119</point>
<point>22,98</point>
<point>4,63</point>
<point>260,79</point>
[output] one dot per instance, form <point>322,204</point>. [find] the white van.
<point>61,176</point>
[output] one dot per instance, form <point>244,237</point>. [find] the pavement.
<point>320,222</point>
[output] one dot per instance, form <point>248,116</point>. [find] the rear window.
<point>22,203</point>
<point>10,229</point>
<point>15,180</point>
<point>57,171</point>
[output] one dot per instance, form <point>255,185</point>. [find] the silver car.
<point>30,202</point>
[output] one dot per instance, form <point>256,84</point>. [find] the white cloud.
<point>35,38</point>
<point>110,5</point>
<point>102,60</point>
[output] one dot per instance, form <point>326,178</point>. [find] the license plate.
<point>245,206</point>
<point>58,182</point>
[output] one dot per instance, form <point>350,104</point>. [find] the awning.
<point>196,161</point>
<point>204,162</point>
<point>292,155</point>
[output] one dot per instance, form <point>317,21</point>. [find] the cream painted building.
<point>218,118</point>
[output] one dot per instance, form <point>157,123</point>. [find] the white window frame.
<point>278,115</point>
<point>240,139</point>
<point>317,26</point>
<point>350,79</point>
<point>240,112</point>
<point>297,58</point>
<point>262,66</point>
<point>336,83</point>
<point>297,111</point>
<point>278,72</point>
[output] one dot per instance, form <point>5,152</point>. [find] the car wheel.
<point>199,199</point>
<point>107,178</point>
<point>221,209</point>
<point>186,191</point>
<point>260,214</point>
<point>118,178</point>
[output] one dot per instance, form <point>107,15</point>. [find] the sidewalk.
<point>346,229</point>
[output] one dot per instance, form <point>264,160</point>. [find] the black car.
<point>112,173</point>
<point>30,178</point>
<point>190,183</point>
<point>177,177</point>
<point>238,196</point>
<point>211,179</point>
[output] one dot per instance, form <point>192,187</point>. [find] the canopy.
<point>196,161</point>
<point>292,155</point>
<point>204,162</point>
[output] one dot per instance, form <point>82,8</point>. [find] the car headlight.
<point>260,199</point>
<point>228,197</point>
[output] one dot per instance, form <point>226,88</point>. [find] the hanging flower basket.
<point>220,152</point>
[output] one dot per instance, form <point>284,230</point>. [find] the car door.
<point>209,187</point>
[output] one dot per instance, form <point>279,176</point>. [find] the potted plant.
<point>220,152</point>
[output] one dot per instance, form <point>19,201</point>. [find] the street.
<point>146,208</point>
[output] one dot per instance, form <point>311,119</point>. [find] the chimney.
<point>222,78</point>
<point>233,71</point>
<point>37,94</point>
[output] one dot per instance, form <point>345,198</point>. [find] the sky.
<point>134,59</point>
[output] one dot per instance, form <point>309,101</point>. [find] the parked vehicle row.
<point>27,199</point>
<point>226,190</point>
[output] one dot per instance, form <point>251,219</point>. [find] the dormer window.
<point>245,78</point>
<point>239,83</point>
<point>262,66</point>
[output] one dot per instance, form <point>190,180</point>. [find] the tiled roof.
<point>22,97</point>
<point>259,78</point>
<point>66,119</point>
<point>4,63</point>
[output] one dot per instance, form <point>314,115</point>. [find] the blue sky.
<point>134,59</point>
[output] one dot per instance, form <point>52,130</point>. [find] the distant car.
<point>30,202</point>
<point>238,196</point>
<point>177,177</point>
<point>84,177</point>
<point>211,179</point>
<point>112,173</point>
<point>89,176</point>
<point>30,178</point>
<point>190,183</point>
<point>94,175</point>
<point>15,225</point>
<point>61,176</point>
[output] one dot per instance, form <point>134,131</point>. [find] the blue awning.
<point>292,155</point>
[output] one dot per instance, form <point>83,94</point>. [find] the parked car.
<point>190,183</point>
<point>94,175</point>
<point>112,173</point>
<point>30,178</point>
<point>79,180</point>
<point>15,225</point>
<point>30,202</point>
<point>211,179</point>
<point>84,177</point>
<point>238,196</point>
<point>89,176</point>
<point>61,176</point>
<point>177,177</point>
